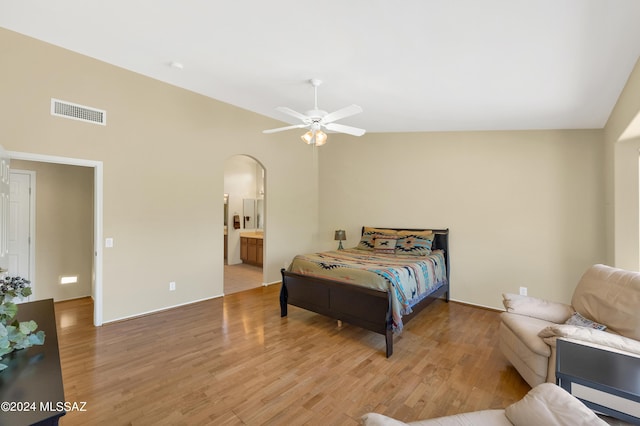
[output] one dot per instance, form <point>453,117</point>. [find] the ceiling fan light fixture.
<point>321,138</point>
<point>307,137</point>
<point>316,119</point>
<point>313,137</point>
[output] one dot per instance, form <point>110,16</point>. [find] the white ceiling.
<point>413,65</point>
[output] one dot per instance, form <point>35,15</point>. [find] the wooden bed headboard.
<point>440,241</point>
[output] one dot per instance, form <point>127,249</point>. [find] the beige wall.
<point>163,152</point>
<point>523,208</point>
<point>64,228</point>
<point>622,174</point>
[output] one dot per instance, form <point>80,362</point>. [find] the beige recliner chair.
<point>604,295</point>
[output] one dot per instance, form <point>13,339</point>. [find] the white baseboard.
<point>162,309</point>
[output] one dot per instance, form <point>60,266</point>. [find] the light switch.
<point>108,242</point>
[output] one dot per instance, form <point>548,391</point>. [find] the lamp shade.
<point>340,235</point>
<point>321,138</point>
<point>307,137</point>
<point>315,137</point>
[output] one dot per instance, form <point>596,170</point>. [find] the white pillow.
<point>548,404</point>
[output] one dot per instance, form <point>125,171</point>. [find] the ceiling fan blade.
<point>293,113</point>
<point>342,113</point>
<point>281,129</point>
<point>345,129</point>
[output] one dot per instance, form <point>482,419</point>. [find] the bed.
<point>367,305</point>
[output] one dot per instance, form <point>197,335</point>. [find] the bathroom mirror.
<point>253,211</point>
<point>249,213</point>
<point>226,210</point>
<point>260,213</point>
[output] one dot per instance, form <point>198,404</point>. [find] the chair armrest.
<point>548,404</point>
<point>537,308</point>
<point>375,419</point>
<point>592,337</point>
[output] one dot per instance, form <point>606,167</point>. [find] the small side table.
<point>33,377</point>
<point>605,381</point>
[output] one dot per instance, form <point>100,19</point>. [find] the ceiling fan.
<point>316,119</point>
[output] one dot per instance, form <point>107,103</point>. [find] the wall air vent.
<point>78,112</point>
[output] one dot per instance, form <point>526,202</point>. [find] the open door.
<point>21,235</point>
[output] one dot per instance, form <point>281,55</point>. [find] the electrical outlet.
<point>523,291</point>
<point>172,286</point>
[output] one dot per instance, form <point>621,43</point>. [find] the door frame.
<point>32,225</point>
<point>97,216</point>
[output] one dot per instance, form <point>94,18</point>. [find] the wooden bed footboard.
<point>361,306</point>
<point>357,305</point>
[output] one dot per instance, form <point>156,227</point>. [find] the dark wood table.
<point>31,391</point>
<point>605,381</point>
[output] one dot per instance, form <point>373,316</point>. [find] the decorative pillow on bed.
<point>579,320</point>
<point>414,243</point>
<point>369,234</point>
<point>385,244</point>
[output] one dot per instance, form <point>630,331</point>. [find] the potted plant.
<point>15,334</point>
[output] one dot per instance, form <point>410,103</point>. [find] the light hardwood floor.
<point>234,361</point>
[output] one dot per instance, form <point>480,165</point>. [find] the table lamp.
<point>340,235</point>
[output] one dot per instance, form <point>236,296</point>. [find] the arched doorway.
<point>244,223</point>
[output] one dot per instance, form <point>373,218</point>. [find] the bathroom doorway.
<point>244,223</point>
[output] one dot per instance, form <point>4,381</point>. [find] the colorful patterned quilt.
<point>409,279</point>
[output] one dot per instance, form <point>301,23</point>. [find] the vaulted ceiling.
<point>413,65</point>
